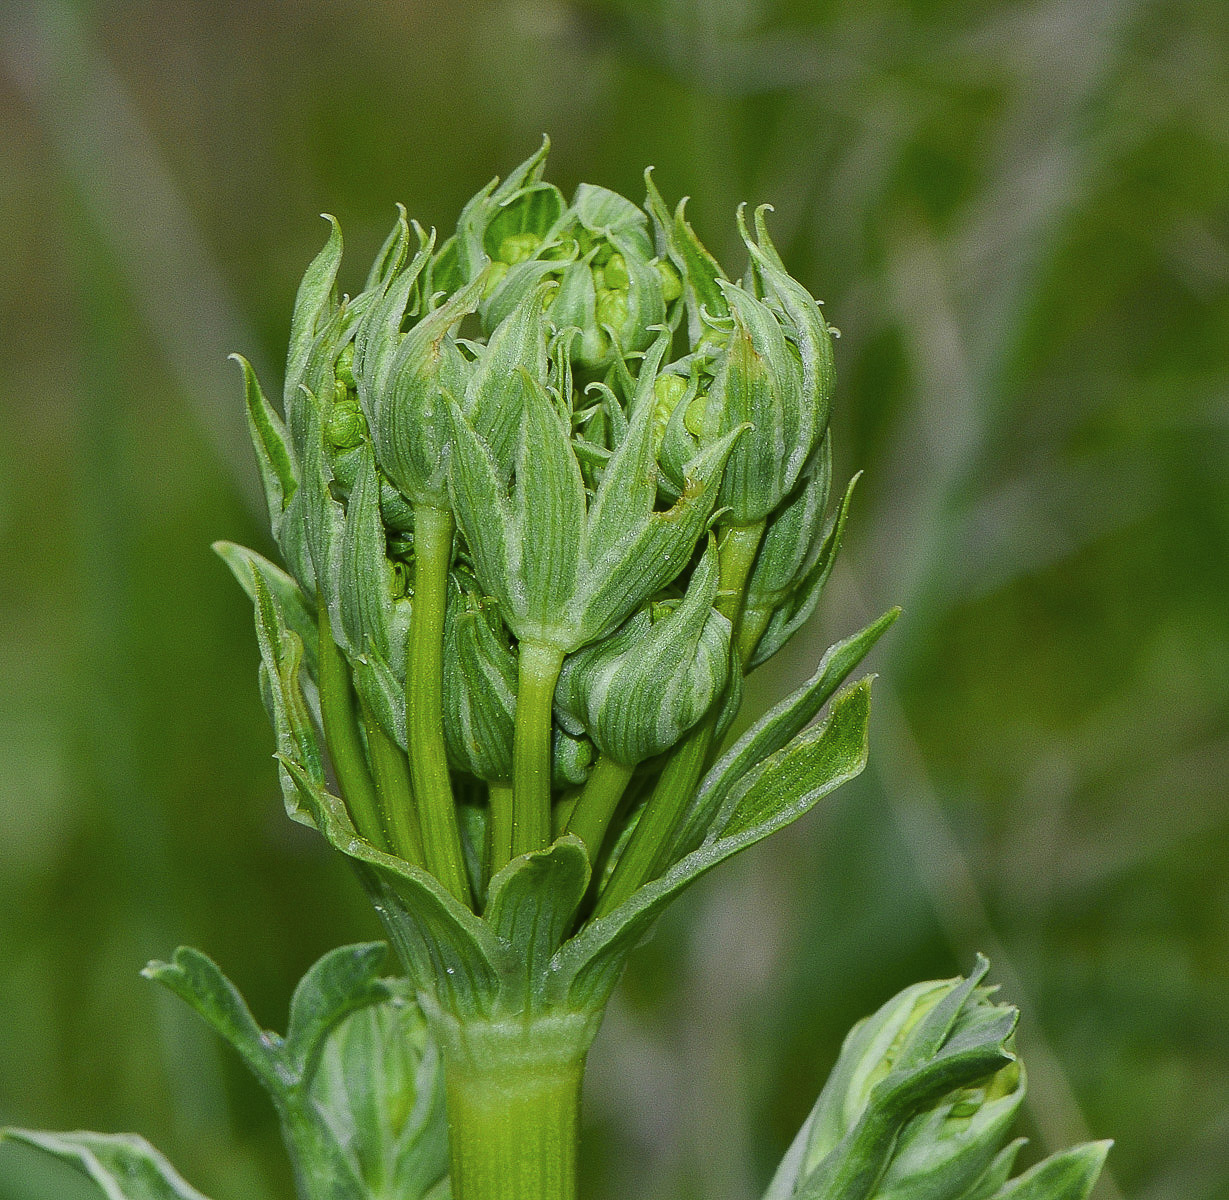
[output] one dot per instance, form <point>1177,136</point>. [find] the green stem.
<point>596,805</point>
<point>424,706</point>
<point>344,741</point>
<point>531,748</point>
<point>499,824</point>
<point>513,1096</point>
<point>648,848</point>
<point>391,771</point>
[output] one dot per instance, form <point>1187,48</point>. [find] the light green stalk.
<point>441,836</point>
<point>391,771</point>
<point>345,742</point>
<point>598,801</point>
<point>531,750</point>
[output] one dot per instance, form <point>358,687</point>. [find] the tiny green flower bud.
<point>495,275</point>
<point>346,426</point>
<point>611,308</point>
<point>671,284</point>
<point>668,390</point>
<point>518,248</point>
<point>615,273</point>
<point>571,759</point>
<point>345,366</point>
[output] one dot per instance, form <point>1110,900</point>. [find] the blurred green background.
<point>1018,215</point>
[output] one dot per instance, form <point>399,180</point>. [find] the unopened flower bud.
<point>638,691</point>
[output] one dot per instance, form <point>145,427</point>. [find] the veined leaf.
<point>1068,1175</point>
<point>124,1166</point>
<point>198,981</point>
<point>773,730</point>
<point>532,902</point>
<point>789,785</point>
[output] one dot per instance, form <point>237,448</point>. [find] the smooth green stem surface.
<point>499,825</point>
<point>599,799</point>
<point>531,749</point>
<point>391,771</point>
<point>345,742</point>
<point>513,1095</point>
<point>424,705</point>
<point>648,849</point>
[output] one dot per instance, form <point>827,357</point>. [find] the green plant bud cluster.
<point>545,489</point>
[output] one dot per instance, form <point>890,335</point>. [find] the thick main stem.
<point>513,1094</point>
<point>424,704</point>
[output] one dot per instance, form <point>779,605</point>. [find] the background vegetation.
<point>1018,214</point>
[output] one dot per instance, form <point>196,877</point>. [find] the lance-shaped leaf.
<point>124,1166</point>
<point>297,611</point>
<point>281,653</point>
<point>392,253</point>
<point>772,731</point>
<point>274,457</point>
<point>759,383</point>
<point>371,617</point>
<point>631,557</point>
<point>317,514</point>
<point>480,678</point>
<point>379,334</point>
<point>532,903</point>
<point>1068,1175</point>
<point>409,414</point>
<point>198,981</point>
<point>312,306</point>
<point>809,330</point>
<point>495,397</point>
<point>788,785</point>
<point>792,538</point>
<point>996,1174</point>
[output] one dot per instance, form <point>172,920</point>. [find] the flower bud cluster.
<point>545,491</point>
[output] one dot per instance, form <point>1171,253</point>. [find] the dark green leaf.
<point>197,980</point>
<point>775,729</point>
